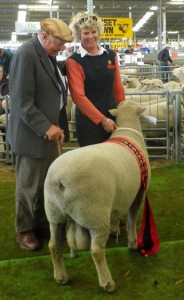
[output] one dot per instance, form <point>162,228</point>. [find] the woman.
<point>94,81</point>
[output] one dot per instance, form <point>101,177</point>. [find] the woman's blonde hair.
<point>85,20</point>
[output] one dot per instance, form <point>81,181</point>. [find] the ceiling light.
<point>41,7</point>
<point>22,6</point>
<point>13,37</point>
<point>153,7</point>
<point>21,16</point>
<point>176,2</point>
<point>173,32</point>
<point>142,21</point>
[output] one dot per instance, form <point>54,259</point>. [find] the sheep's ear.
<point>141,109</point>
<point>148,119</point>
<point>113,112</point>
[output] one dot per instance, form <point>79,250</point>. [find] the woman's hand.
<point>108,125</point>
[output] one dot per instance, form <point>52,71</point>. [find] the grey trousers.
<point>30,177</point>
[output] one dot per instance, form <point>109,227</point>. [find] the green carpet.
<point>159,277</point>
<point>29,275</point>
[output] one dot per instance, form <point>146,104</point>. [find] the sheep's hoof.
<point>132,246</point>
<point>109,287</point>
<point>62,281</point>
<point>135,248</point>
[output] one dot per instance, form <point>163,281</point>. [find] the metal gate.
<point>178,128</point>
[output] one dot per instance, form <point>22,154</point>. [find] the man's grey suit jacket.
<point>35,100</point>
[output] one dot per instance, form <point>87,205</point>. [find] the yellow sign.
<point>115,28</point>
<point>120,45</point>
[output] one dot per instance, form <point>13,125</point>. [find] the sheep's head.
<point>127,105</point>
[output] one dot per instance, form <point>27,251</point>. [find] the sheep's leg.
<point>132,232</point>
<point>132,218</point>
<point>98,243</point>
<point>56,243</point>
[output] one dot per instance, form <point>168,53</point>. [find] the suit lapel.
<point>45,60</point>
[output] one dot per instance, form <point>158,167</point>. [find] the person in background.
<point>4,83</point>
<point>1,73</point>
<point>2,117</point>
<point>165,61</point>
<point>5,61</point>
<point>68,51</point>
<point>94,81</point>
<point>129,50</point>
<point>4,90</point>
<point>37,111</point>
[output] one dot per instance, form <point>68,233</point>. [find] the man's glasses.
<point>88,18</point>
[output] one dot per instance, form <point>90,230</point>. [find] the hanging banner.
<point>115,28</point>
<point>27,27</point>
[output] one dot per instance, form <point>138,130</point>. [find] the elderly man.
<point>37,122</point>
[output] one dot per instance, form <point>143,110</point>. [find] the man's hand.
<point>54,133</point>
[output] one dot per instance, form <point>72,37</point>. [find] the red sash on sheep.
<point>148,241</point>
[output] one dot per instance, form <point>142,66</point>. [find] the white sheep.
<point>154,101</point>
<point>141,98</point>
<point>159,111</point>
<point>142,83</point>
<point>179,73</point>
<point>131,82</point>
<point>93,187</point>
<point>171,86</point>
<point>156,82</point>
<point>3,119</point>
<point>152,85</point>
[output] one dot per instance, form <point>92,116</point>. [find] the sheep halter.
<point>132,147</point>
<point>148,241</point>
<point>127,128</point>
